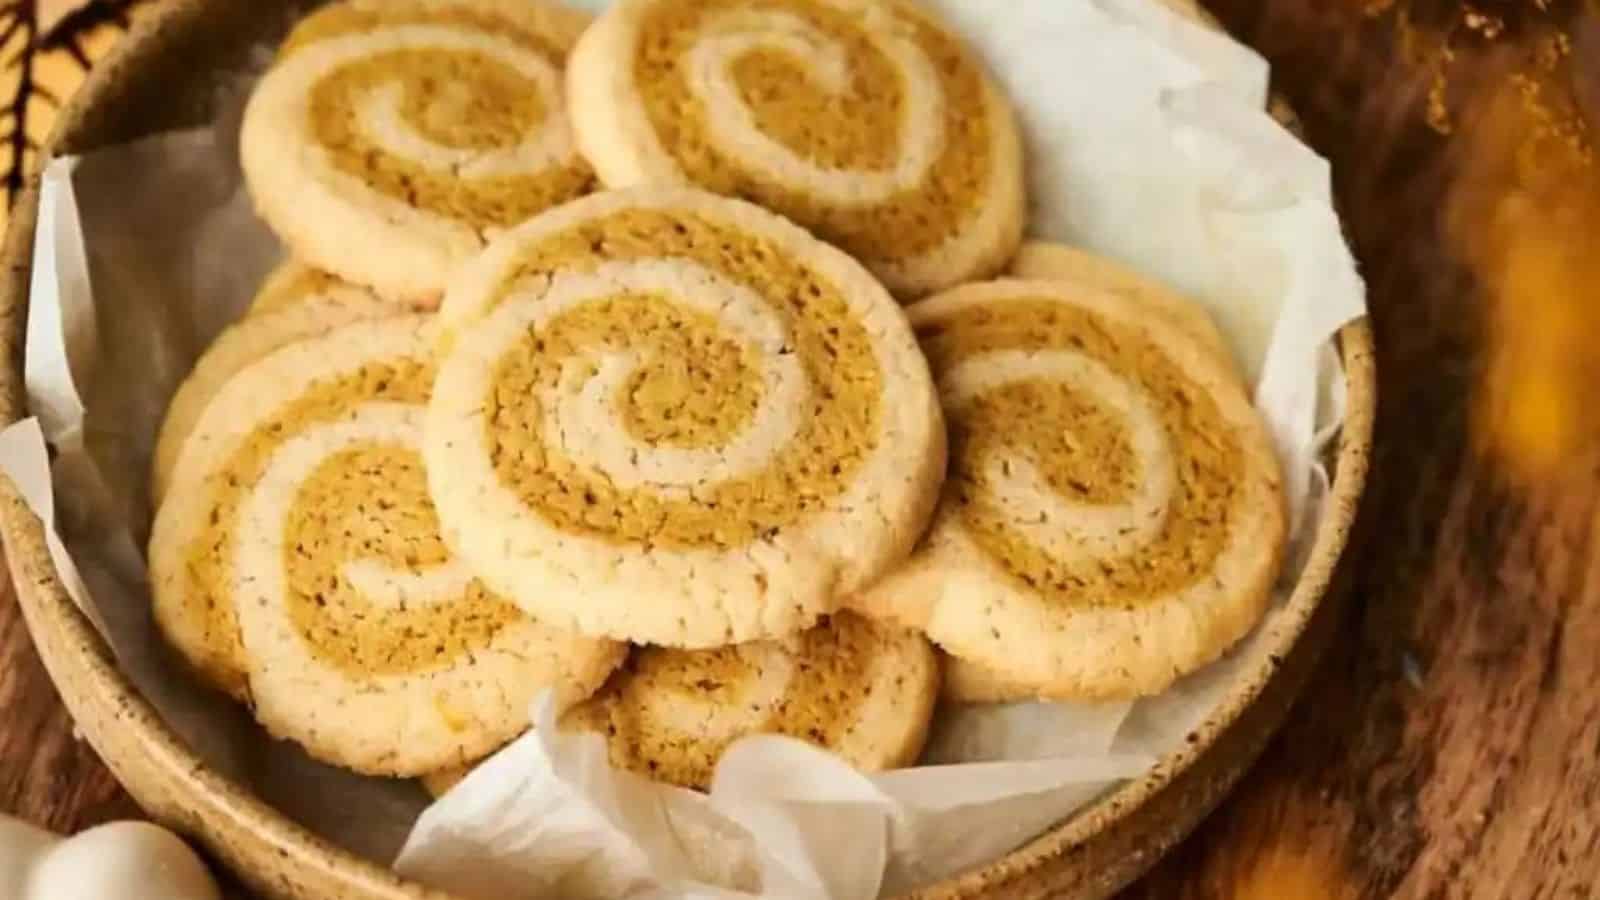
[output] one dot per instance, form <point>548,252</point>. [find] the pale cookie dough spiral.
<point>1113,517</point>
<point>391,138</point>
<point>298,551</point>
<point>861,689</point>
<point>674,418</point>
<point>863,120</point>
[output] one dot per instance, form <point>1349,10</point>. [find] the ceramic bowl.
<point>163,76</point>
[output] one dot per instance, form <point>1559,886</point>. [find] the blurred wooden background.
<point>1450,745</point>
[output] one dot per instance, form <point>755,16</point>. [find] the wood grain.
<point>46,775</point>
<point>1450,746</point>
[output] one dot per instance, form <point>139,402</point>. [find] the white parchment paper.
<point>1147,142</point>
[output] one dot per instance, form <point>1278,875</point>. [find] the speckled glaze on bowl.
<point>163,77</point>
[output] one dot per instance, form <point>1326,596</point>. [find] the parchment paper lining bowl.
<point>163,76</point>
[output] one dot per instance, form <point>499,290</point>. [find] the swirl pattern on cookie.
<point>863,120</point>
<point>295,302</point>
<point>675,418</point>
<point>863,690</point>
<point>298,557</point>
<point>390,138</point>
<point>1113,515</point>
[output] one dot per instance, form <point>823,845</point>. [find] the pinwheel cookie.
<point>1113,517</point>
<point>675,418</point>
<point>863,120</point>
<point>295,302</point>
<point>391,136</point>
<point>863,690</point>
<point>297,560</point>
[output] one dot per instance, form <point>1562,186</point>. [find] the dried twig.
<point>68,36</point>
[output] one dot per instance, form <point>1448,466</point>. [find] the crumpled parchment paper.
<point>1147,142</point>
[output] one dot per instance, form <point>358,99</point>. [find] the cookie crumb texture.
<point>868,123</point>
<point>677,419</point>
<point>1112,517</point>
<point>863,690</point>
<point>300,549</point>
<point>429,124</point>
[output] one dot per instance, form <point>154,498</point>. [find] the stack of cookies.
<point>687,362</point>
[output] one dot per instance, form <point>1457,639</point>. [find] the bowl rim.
<point>180,790</point>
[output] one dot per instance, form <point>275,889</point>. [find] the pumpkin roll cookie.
<point>864,120</point>
<point>390,138</point>
<point>297,561</point>
<point>1113,518</point>
<point>294,303</point>
<point>863,690</point>
<point>675,418</point>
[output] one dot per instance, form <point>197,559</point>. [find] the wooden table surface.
<point>1450,745</point>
